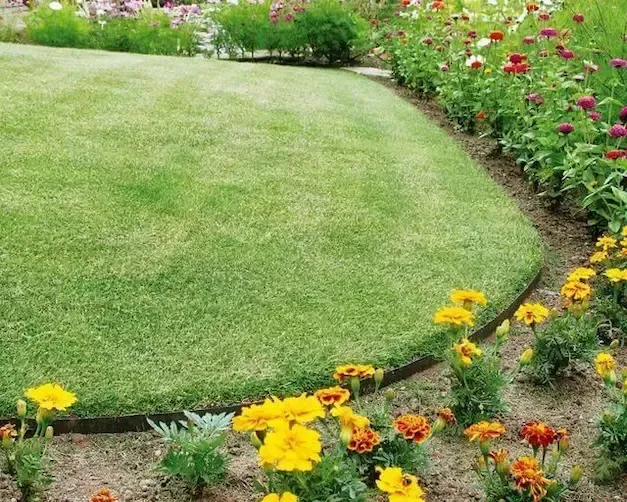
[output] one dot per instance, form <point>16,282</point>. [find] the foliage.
<point>194,453</point>
<point>57,28</point>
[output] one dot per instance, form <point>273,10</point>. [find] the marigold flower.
<point>399,486</point>
<point>466,350</point>
<point>332,396</point>
<point>349,419</point>
<point>285,497</point>
<point>576,290</point>
<point>606,243</point>
<point>258,417</point>
<point>51,397</point>
<point>604,364</point>
<point>8,431</point>
<point>615,275</point>
<point>353,370</point>
<point>103,495</point>
<point>581,274</point>
<point>531,313</point>
<point>363,440</point>
<point>598,257</point>
<point>413,427</point>
<point>537,434</point>
<point>301,409</point>
<point>454,316</point>
<point>484,431</point>
<point>496,35</point>
<point>529,477</point>
<point>289,449</point>
<point>447,415</point>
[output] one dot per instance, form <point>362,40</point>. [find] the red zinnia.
<point>616,154</point>
<point>578,18</point>
<point>532,7</point>
<point>529,40</point>
<point>565,128</point>
<point>544,16</point>
<point>587,102</point>
<point>497,36</point>
<point>438,5</point>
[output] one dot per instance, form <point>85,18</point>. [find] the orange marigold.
<point>363,440</point>
<point>447,415</point>
<point>353,370</point>
<point>8,431</point>
<point>332,396</point>
<point>413,427</point>
<point>103,495</point>
<point>529,477</point>
<point>537,434</point>
<point>484,431</point>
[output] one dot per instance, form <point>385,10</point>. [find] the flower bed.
<point>549,83</point>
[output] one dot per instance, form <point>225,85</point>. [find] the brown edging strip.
<point>138,423</point>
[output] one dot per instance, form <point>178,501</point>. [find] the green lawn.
<point>179,232</point>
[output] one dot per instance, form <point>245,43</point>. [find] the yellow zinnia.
<point>531,313</point>
<point>576,290</point>
<point>581,274</point>
<point>51,397</point>
<point>606,243</point>
<point>466,297</point>
<point>466,350</point>
<point>454,316</point>
<point>275,497</point>
<point>598,257</point>
<point>399,486</point>
<point>293,448</point>
<point>615,274</point>
<point>258,416</point>
<point>604,364</point>
<point>302,409</point>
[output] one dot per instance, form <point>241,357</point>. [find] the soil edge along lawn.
<point>177,233</point>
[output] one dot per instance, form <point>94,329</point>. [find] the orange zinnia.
<point>438,5</point>
<point>413,427</point>
<point>363,440</point>
<point>484,431</point>
<point>332,396</point>
<point>537,434</point>
<point>529,477</point>
<point>497,36</point>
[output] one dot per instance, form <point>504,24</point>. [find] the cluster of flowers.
<point>527,475</point>
<point>282,433</point>
<point>286,9</point>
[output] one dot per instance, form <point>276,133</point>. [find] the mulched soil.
<point>125,462</point>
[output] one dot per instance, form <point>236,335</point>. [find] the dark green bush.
<point>243,27</point>
<point>62,28</point>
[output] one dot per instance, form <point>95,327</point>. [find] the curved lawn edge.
<point>138,422</point>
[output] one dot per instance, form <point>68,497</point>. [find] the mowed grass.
<point>177,233</point>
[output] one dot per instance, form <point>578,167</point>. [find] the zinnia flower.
<point>548,32</point>
<point>594,116</point>
<point>578,18</point>
<point>618,63</point>
<point>537,434</point>
<point>496,35</point>
<point>51,397</point>
<point>598,257</point>
<point>615,275</point>
<point>606,243</point>
<point>565,128</point>
<point>399,486</point>
<point>534,97</point>
<point>618,131</point>
<point>484,431</point>
<point>531,313</point>
<point>467,297</point>
<point>285,497</point>
<point>466,350</point>
<point>544,16</point>
<point>438,5</point>
<point>413,427</point>
<point>301,409</point>
<point>616,154</point>
<point>532,7</point>
<point>566,53</point>
<point>576,290</point>
<point>529,477</point>
<point>623,114</point>
<point>587,102</point>
<point>581,274</point>
<point>454,316</point>
<point>475,62</point>
<point>257,417</point>
<point>528,40</point>
<point>291,449</point>
<point>103,495</point>
<point>604,364</point>
<point>363,440</point>
<point>333,396</point>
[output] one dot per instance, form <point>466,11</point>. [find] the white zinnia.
<point>484,42</point>
<point>55,5</point>
<point>475,59</point>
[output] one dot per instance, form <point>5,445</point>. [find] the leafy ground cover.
<point>180,232</point>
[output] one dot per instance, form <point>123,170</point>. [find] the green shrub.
<point>60,28</point>
<point>243,27</point>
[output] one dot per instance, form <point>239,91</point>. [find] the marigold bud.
<point>21,409</point>
<point>526,357</point>
<point>379,374</point>
<point>389,395</point>
<point>355,385</point>
<point>614,345</point>
<point>49,432</point>
<point>346,434</point>
<point>503,330</point>
<point>255,440</point>
<point>575,475</point>
<point>438,425</point>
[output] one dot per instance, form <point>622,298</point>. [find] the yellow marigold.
<point>576,290</point>
<point>333,396</point>
<point>349,419</point>
<point>302,409</point>
<point>285,497</point>
<point>293,448</point>
<point>531,313</point>
<point>606,243</point>
<point>484,431</point>
<point>604,364</point>
<point>581,274</point>
<point>51,397</point>
<point>454,316</point>
<point>466,350</point>
<point>103,495</point>
<point>400,487</point>
<point>623,243</point>
<point>259,416</point>
<point>624,231</point>
<point>467,297</point>
<point>528,477</point>
<point>598,257</point>
<point>413,427</point>
<point>615,275</point>
<point>364,440</point>
<point>349,371</point>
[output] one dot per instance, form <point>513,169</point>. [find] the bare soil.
<point>125,462</point>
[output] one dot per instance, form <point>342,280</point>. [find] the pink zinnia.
<point>534,97</point>
<point>548,32</point>
<point>616,154</point>
<point>567,54</point>
<point>529,40</point>
<point>579,18</point>
<point>444,67</point>
<point>618,131</point>
<point>472,34</point>
<point>594,116</point>
<point>544,16</point>
<point>587,102</point>
<point>618,63</point>
<point>623,114</point>
<point>565,128</point>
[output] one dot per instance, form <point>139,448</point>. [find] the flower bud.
<point>614,345</point>
<point>575,475</point>
<point>526,357</point>
<point>21,409</point>
<point>503,330</point>
<point>389,395</point>
<point>610,378</point>
<point>479,465</point>
<point>438,425</point>
<point>49,432</point>
<point>355,385</point>
<point>346,434</point>
<point>255,440</point>
<point>379,374</point>
<point>484,446</point>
